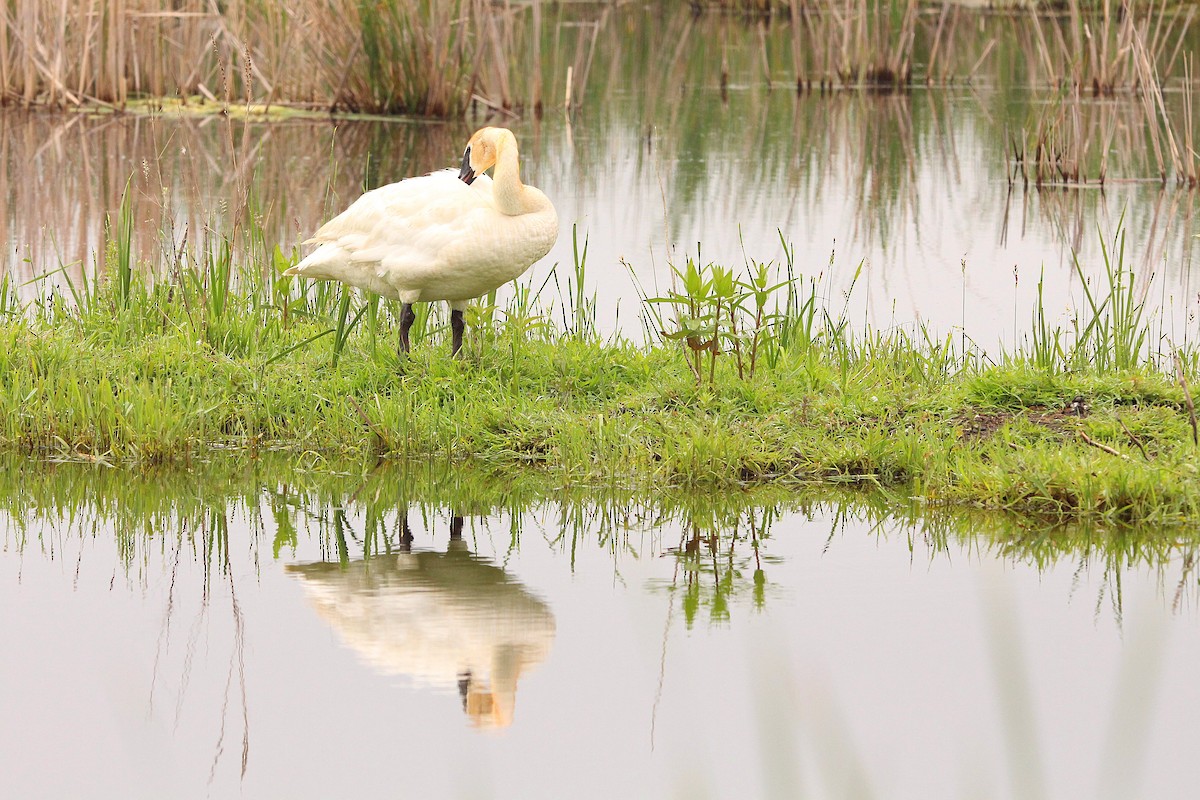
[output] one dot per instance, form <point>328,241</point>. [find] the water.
<point>169,638</point>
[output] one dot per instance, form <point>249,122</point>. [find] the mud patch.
<point>978,424</point>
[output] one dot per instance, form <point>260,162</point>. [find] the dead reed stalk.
<point>1190,167</point>
<point>1187,397</point>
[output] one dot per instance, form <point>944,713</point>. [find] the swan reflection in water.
<point>442,619</point>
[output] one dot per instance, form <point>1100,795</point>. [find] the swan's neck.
<point>507,190</point>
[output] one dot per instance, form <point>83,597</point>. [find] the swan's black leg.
<point>464,687</point>
<point>406,537</point>
<point>407,317</point>
<point>456,328</point>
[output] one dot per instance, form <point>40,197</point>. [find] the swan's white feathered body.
<point>450,235</point>
<point>429,238</point>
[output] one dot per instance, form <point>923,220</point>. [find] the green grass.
<point>750,378</point>
<point>182,370</point>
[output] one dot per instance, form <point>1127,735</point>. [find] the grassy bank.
<point>1085,423</point>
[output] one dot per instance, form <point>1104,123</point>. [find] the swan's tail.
<point>325,263</point>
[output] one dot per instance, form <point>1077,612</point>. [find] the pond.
<point>901,207</point>
<point>270,632</point>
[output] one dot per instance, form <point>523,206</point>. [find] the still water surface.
<point>272,647</point>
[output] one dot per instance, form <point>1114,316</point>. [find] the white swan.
<point>447,235</point>
<point>445,620</point>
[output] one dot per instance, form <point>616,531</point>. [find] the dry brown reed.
<point>1190,159</point>
<point>1097,52</point>
<point>398,56</point>
<point>1097,47</point>
<point>1072,141</point>
<point>853,43</point>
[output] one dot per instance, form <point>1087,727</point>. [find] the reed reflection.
<point>447,620</point>
<point>916,188</point>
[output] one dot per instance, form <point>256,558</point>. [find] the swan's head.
<point>488,708</point>
<point>483,150</point>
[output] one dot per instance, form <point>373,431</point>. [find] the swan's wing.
<point>403,207</point>
<point>417,231</point>
<point>430,238</point>
<point>408,224</point>
<point>457,251</point>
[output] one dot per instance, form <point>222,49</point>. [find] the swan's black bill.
<point>466,174</point>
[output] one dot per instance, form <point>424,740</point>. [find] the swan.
<point>451,235</point>
<point>445,620</point>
